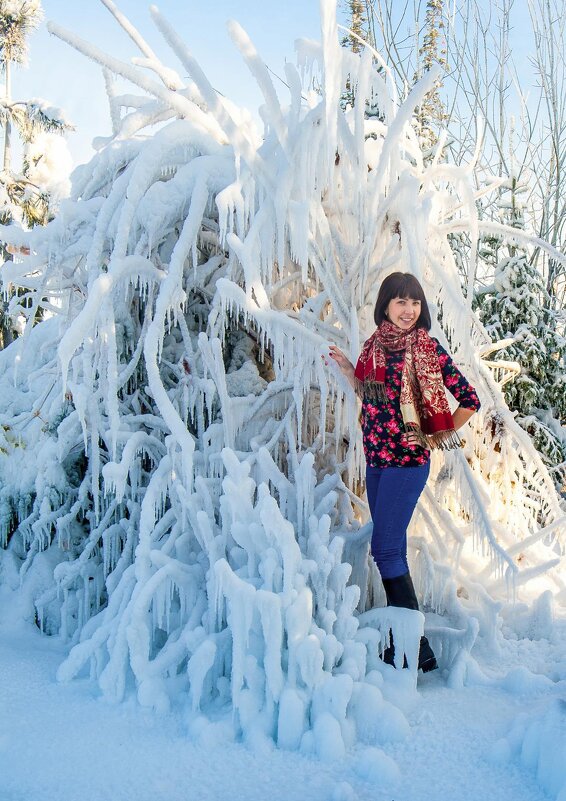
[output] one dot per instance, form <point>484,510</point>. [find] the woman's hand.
<point>345,365</point>
<point>411,438</point>
<point>341,359</point>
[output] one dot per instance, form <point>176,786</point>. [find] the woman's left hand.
<point>411,438</point>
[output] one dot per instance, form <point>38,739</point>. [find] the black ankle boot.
<point>427,659</point>
<point>400,591</point>
<point>388,655</point>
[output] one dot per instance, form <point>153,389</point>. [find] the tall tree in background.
<point>357,14</point>
<point>24,193</point>
<point>432,112</point>
<point>358,22</point>
<point>516,310</point>
<point>17,20</point>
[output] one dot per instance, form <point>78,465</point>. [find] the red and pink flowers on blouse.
<point>382,424</point>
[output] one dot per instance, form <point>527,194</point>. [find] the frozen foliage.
<point>173,441</point>
<point>518,311</point>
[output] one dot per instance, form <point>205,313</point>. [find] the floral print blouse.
<point>382,424</point>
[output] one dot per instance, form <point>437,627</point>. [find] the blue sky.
<point>59,74</point>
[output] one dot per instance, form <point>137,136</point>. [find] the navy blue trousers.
<point>393,493</point>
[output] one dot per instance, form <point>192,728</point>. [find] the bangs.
<point>406,286</point>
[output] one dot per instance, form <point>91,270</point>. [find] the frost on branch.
<point>174,446</point>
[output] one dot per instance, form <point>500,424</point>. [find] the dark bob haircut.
<point>401,285</point>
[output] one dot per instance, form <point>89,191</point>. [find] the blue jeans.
<point>393,493</point>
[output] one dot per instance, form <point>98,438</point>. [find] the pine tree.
<point>22,199</point>
<point>357,23</point>
<point>431,113</point>
<point>517,307</point>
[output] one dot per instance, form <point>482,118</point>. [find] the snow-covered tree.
<point>516,310</point>
<point>27,193</point>
<point>24,198</point>
<point>181,492</point>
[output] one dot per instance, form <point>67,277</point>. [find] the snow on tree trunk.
<point>181,480</point>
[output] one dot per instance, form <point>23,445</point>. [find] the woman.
<point>400,378</point>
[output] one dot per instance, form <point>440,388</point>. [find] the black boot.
<point>388,655</point>
<point>427,659</point>
<point>400,591</point>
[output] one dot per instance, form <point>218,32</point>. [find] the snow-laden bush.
<point>172,438</point>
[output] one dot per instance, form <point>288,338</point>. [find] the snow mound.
<point>538,742</point>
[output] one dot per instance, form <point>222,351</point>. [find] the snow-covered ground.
<point>64,743</point>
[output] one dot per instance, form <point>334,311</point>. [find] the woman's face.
<point>403,312</point>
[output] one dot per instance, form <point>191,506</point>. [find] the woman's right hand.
<point>340,358</point>
<point>345,365</point>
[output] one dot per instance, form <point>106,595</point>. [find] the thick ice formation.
<point>172,441</point>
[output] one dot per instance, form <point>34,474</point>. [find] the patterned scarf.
<point>424,407</point>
